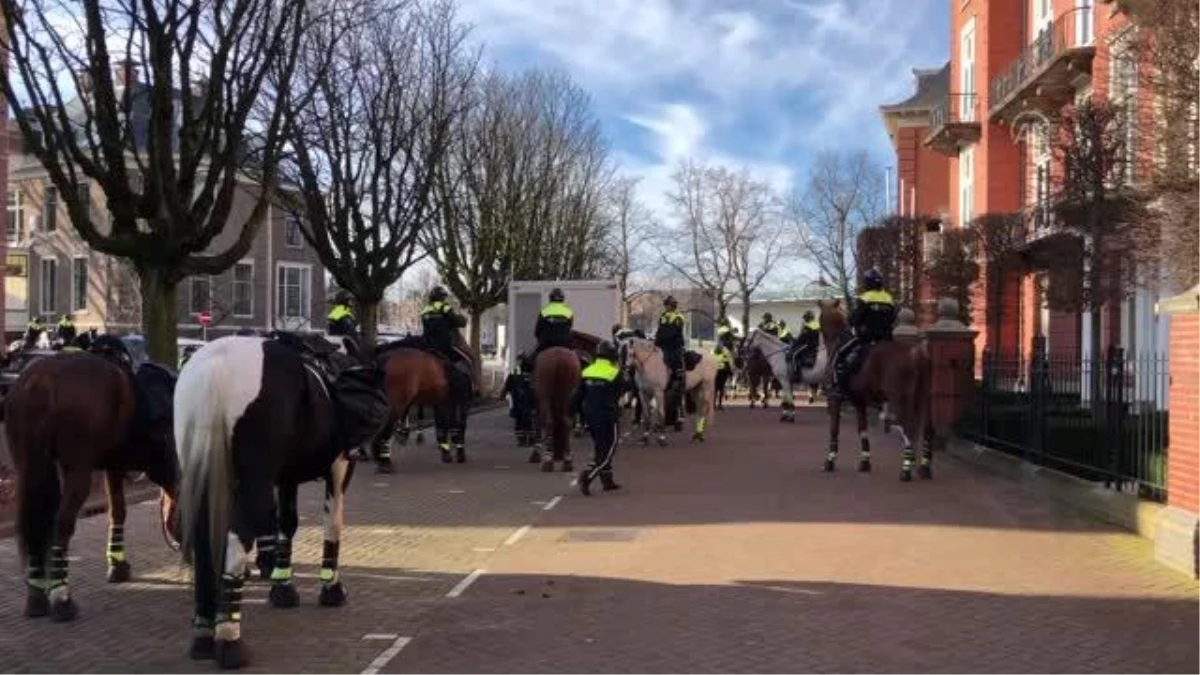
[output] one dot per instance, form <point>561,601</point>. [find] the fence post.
<point>952,355</point>
<point>1114,412</point>
<point>1039,371</point>
<point>986,389</point>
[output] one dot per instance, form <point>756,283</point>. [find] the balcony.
<point>1045,76</point>
<point>954,124</point>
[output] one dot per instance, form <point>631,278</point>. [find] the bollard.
<point>951,347</point>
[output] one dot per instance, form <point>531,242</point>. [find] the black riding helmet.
<point>556,295</point>
<point>873,280</point>
<point>670,303</point>
<point>808,316</point>
<point>767,316</point>
<point>438,294</point>
<point>606,350</point>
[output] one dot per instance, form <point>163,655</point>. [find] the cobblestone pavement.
<point>736,555</point>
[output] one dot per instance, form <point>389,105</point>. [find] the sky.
<point>757,84</point>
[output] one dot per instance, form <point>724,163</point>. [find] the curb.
<point>141,491</point>
<point>1093,499</point>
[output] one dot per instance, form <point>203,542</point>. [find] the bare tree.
<point>692,246</point>
<point>520,194</point>
<point>367,144</point>
<point>167,146</point>
<point>628,235</point>
<point>750,224</point>
<point>895,248</point>
<point>1000,238</point>
<point>841,198</point>
<point>954,268</point>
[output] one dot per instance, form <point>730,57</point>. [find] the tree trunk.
<point>160,319</point>
<point>474,338</point>
<point>368,324</point>
<point>746,313</point>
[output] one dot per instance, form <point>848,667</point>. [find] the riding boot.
<point>607,481</point>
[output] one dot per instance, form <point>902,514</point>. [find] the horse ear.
<point>837,302</point>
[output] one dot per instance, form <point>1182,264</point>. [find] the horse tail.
<point>202,438</point>
<point>32,440</point>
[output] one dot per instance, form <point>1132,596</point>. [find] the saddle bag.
<point>690,360</point>
<point>360,404</point>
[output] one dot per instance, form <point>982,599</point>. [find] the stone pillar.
<point>952,353</point>
<point>906,331</point>
<point>1176,532</point>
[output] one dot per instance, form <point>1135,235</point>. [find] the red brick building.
<point>971,142</point>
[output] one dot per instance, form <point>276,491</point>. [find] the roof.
<point>933,84</point>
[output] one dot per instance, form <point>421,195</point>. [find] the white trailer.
<point>597,305</point>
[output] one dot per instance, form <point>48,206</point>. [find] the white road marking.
<point>552,503</point>
<point>465,584</point>
<point>483,549</point>
<point>385,657</point>
<point>380,636</point>
<point>379,485</point>
<point>516,536</point>
<point>503,466</point>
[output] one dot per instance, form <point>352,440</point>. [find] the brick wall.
<point>1183,471</point>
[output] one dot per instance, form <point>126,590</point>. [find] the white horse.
<point>651,376</point>
<point>776,353</point>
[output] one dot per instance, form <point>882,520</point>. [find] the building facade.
<point>1014,66</point>
<point>51,272</point>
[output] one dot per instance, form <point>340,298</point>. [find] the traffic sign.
<point>205,318</point>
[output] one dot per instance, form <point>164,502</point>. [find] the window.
<point>966,187</point>
<point>1040,145</point>
<point>1083,23</point>
<point>50,209</point>
<point>291,230</point>
<point>79,284</point>
<point>201,300</point>
<point>1123,88</point>
<point>1043,16</point>
<point>966,83</point>
<point>16,218</point>
<point>49,286</point>
<point>243,289</point>
<point>294,290</point>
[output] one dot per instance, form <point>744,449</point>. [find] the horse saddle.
<point>691,359</point>
<point>800,357</point>
<point>154,393</point>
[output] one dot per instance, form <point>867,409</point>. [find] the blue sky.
<point>761,84</point>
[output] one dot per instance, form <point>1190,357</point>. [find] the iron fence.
<point>1102,419</point>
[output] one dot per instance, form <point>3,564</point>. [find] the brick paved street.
<point>738,555</point>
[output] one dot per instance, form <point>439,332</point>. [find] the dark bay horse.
<point>253,415</point>
<point>556,375</point>
<point>67,416</point>
<point>759,376</point>
<point>416,377</point>
<point>895,374</point>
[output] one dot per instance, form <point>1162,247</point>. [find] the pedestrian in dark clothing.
<point>598,396</point>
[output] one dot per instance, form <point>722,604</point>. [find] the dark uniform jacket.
<point>554,325</point>
<point>603,383</point>
<point>438,323</point>
<point>669,335</point>
<point>874,316</point>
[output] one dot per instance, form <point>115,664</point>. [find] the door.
<point>966,80</point>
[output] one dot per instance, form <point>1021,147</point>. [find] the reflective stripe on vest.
<point>813,325</point>
<point>669,318</point>
<point>557,310</point>
<point>339,312</point>
<point>438,307</point>
<point>601,369</point>
<point>877,297</point>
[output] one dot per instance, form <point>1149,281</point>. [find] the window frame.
<point>44,288</point>
<point>234,285</point>
<point>305,290</point>
<point>49,208</point>
<point>79,297</point>
<point>192,281</point>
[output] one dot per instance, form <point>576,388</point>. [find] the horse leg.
<point>283,594</point>
<point>925,468</point>
<point>442,421</point>
<point>227,632</point>
<point>337,481</point>
<point>458,432</point>
<point>864,439</point>
<point>381,447</point>
<point>660,421</point>
<point>118,565</point>
<point>787,406</point>
<point>264,558</point>
<point>835,423</point>
<point>76,486</point>
<point>204,588</point>
<point>420,421</point>
<point>38,502</point>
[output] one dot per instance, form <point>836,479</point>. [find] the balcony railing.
<point>954,123</point>
<point>1062,50</point>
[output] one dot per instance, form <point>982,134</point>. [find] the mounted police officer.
<point>872,321</point>
<point>809,339</point>
<point>341,317</point>
<point>768,325</point>
<point>726,333</point>
<point>554,325</point>
<point>439,322</point>
<point>33,331</point>
<point>670,339</point>
<point>784,333</point>
<point>66,331</point>
<point>598,396</point>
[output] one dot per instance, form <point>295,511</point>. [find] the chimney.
<point>126,73</point>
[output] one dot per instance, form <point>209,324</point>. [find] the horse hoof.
<point>37,603</point>
<point>447,458</point>
<point>535,457</point>
<point>864,465</point>
<point>547,466</point>
<point>697,437</point>
<point>662,441</point>
<point>203,648</point>
<point>229,654</point>
<point>119,572</point>
<point>460,455</point>
<point>568,466</point>
<point>333,595</point>
<point>925,471</point>
<point>829,465</point>
<point>283,595</point>
<point>905,475</point>
<point>63,610</point>
<point>645,440</point>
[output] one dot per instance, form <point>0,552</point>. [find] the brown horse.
<point>556,375</point>
<point>67,416</point>
<point>416,377</point>
<point>759,377</point>
<point>894,374</point>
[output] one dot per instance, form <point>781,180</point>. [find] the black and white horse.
<point>253,415</point>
